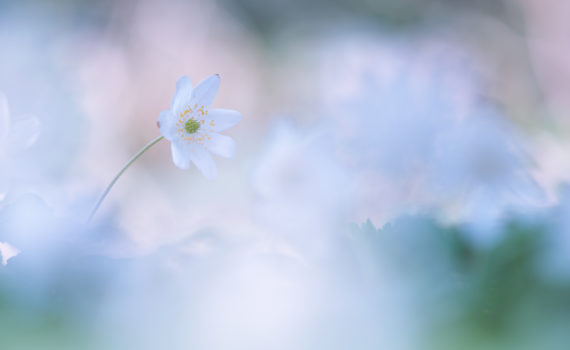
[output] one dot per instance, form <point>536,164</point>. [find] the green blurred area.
<point>471,297</point>
<point>55,311</point>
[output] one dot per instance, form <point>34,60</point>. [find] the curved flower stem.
<point>131,161</point>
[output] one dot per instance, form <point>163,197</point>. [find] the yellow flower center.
<point>190,121</point>
<point>191,126</point>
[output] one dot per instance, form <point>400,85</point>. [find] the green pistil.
<point>191,126</point>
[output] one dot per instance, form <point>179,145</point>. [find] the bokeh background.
<point>399,181</point>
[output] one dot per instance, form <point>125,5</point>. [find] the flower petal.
<point>204,162</point>
<point>23,133</point>
<point>7,252</point>
<point>221,145</point>
<point>182,96</point>
<point>205,92</point>
<point>222,119</point>
<point>180,154</point>
<point>167,125</point>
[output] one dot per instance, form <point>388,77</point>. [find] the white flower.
<point>193,129</point>
<point>7,252</point>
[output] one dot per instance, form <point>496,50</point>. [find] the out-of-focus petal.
<point>8,252</point>
<point>180,154</point>
<point>167,125</point>
<point>205,92</point>
<point>221,145</point>
<point>182,96</point>
<point>23,133</point>
<point>204,162</point>
<point>219,120</point>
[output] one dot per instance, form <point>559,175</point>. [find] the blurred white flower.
<point>480,162</point>
<point>418,134</point>
<point>193,129</point>
<point>16,134</point>
<point>386,108</point>
<point>7,252</point>
<point>468,163</point>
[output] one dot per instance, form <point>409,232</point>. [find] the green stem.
<point>131,161</point>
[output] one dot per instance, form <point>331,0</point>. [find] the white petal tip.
<point>8,252</point>
<point>183,79</point>
<point>182,166</point>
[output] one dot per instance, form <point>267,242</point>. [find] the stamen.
<point>191,126</point>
